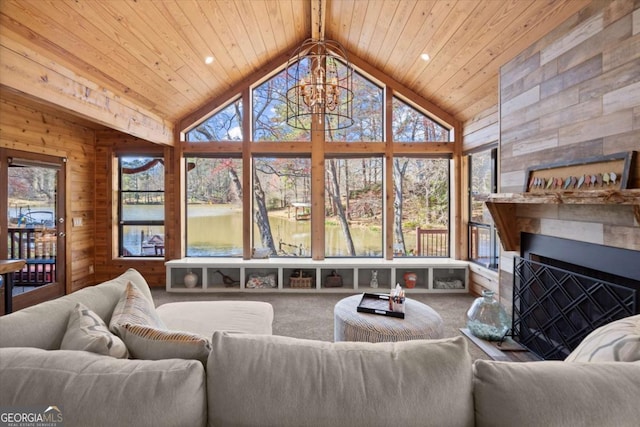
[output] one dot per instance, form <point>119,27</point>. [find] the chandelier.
<point>319,82</point>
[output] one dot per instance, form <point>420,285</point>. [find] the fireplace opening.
<point>564,289</point>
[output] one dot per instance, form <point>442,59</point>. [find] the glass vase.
<point>487,318</point>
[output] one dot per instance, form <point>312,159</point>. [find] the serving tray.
<point>377,304</point>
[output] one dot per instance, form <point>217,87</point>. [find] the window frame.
<point>494,246</point>
<point>185,202</point>
<point>321,146</point>
<point>121,222</point>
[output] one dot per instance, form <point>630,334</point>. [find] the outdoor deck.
<point>37,246</point>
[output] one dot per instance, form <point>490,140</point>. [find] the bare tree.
<point>399,171</point>
<point>262,218</point>
<point>335,194</point>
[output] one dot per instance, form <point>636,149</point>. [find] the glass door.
<point>35,225</point>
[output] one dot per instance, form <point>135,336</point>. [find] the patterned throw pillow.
<point>134,308</point>
<point>135,320</point>
<point>618,341</point>
<point>87,331</point>
<point>145,342</point>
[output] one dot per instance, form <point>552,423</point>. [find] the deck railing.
<point>36,245</point>
<point>434,243</point>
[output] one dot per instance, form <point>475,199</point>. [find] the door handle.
<point>62,234</point>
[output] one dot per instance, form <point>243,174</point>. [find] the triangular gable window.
<point>367,113</point>
<point>225,125</point>
<point>411,125</point>
<point>270,112</point>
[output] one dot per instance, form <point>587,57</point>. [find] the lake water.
<point>216,230</point>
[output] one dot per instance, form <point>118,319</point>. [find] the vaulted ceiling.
<point>151,54</point>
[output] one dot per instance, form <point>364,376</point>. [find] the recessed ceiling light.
<point>208,60</point>
<point>425,57</point>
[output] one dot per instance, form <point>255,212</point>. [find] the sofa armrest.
<point>94,390</point>
<point>43,325</point>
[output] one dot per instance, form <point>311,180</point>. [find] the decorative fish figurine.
<point>531,181</point>
<point>581,181</point>
<point>587,180</point>
<point>558,182</point>
<point>599,179</point>
<point>594,180</point>
<point>613,177</point>
<point>567,182</point>
<point>574,180</point>
<point>549,183</point>
<point>605,178</point>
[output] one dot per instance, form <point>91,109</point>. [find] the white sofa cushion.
<point>618,341</point>
<point>282,381</point>
<point>556,393</point>
<point>205,317</point>
<point>94,390</point>
<point>87,331</point>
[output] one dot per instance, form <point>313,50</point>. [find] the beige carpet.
<point>310,316</point>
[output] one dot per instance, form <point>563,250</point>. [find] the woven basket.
<point>300,282</point>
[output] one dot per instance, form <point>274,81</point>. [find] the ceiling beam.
<point>318,14</point>
<point>28,72</point>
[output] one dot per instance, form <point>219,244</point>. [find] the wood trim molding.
<point>35,75</point>
<point>502,207</point>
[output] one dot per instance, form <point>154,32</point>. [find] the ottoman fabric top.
<point>420,322</point>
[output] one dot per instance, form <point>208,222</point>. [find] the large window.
<point>483,244</point>
<point>342,181</point>
<point>421,207</point>
<point>141,206</point>
<point>354,207</point>
<point>282,205</point>
<point>214,206</point>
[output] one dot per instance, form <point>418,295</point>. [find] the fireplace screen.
<point>554,309</point>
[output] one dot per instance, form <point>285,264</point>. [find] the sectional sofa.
<point>225,368</point>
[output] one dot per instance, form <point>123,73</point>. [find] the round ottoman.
<point>420,322</point>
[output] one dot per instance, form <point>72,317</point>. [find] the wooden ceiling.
<point>152,53</point>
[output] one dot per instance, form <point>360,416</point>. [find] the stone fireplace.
<point>594,234</point>
<point>563,289</point>
<point>570,96</point>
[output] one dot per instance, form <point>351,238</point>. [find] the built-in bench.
<point>235,274</point>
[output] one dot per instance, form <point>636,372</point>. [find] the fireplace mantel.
<point>502,207</point>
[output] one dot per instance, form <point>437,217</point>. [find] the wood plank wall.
<point>108,144</point>
<point>573,94</point>
<point>25,126</point>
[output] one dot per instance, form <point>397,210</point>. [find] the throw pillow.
<point>618,341</point>
<point>87,331</point>
<point>134,308</point>
<point>145,342</point>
